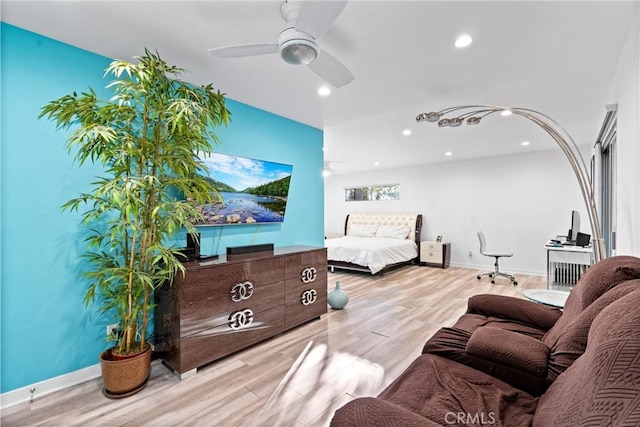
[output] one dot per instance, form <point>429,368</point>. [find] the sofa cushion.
<point>602,387</point>
<point>440,389</point>
<point>451,343</point>
<point>511,349</point>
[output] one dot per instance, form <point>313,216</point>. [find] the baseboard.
<point>42,388</point>
<point>510,270</point>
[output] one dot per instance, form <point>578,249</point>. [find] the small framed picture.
<point>439,239</point>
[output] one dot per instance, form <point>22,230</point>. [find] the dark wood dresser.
<point>221,306</point>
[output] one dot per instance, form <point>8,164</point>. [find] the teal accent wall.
<point>45,330</point>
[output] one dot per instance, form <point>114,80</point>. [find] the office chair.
<point>497,256</point>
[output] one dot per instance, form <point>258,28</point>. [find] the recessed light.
<point>324,91</point>
<point>525,143</point>
<point>506,113</point>
<point>376,163</point>
<point>463,40</point>
<point>448,154</point>
<point>406,132</point>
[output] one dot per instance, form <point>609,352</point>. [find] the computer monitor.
<point>575,226</point>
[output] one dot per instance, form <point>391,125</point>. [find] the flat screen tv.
<point>251,191</point>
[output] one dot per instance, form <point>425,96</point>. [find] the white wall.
<point>519,201</point>
<point>625,91</point>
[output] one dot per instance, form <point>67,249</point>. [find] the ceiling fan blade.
<point>243,50</point>
<point>315,17</point>
<point>331,70</point>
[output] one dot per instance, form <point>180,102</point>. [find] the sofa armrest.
<point>374,412</point>
<point>510,349</point>
<point>516,309</point>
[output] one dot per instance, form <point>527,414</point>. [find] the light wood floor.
<point>296,379</point>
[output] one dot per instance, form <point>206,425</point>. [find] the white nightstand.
<point>435,254</point>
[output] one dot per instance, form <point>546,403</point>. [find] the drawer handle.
<point>240,319</point>
<point>241,291</point>
<point>308,297</point>
<point>308,275</point>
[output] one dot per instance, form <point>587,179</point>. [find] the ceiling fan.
<point>306,22</point>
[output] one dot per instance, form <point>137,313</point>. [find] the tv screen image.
<point>252,191</point>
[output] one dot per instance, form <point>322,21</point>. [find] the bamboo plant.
<point>147,137</point>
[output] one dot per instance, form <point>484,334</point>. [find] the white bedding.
<point>372,252</point>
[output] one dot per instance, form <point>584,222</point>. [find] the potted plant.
<point>147,138</point>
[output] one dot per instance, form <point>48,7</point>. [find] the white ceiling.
<point>551,56</point>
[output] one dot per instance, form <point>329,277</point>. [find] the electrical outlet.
<point>112,329</point>
<point>470,254</point>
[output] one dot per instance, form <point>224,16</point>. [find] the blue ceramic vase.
<point>337,298</point>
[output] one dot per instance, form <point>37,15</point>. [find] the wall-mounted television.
<point>251,191</point>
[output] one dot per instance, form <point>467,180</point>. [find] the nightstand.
<point>435,254</point>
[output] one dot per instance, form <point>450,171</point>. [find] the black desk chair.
<point>497,256</point>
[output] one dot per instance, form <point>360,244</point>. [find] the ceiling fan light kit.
<point>296,47</point>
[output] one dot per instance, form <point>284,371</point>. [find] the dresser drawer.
<point>212,344</point>
<point>431,252</point>
<point>310,304</point>
<point>304,264</point>
<point>226,276</point>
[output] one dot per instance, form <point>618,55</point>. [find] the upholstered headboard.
<point>413,221</point>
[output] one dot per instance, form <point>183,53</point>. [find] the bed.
<point>375,242</point>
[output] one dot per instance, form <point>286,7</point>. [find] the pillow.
<point>361,230</point>
<point>393,231</point>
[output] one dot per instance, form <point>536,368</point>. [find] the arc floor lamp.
<point>473,114</point>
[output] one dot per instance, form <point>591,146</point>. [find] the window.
<point>372,192</point>
<point>604,178</point>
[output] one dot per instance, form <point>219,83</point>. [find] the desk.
<point>547,297</point>
<point>566,264</point>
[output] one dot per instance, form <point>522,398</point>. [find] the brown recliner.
<point>526,344</point>
<point>602,387</point>
<point>530,318</point>
<point>520,360</point>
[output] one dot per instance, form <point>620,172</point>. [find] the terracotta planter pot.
<point>127,376</point>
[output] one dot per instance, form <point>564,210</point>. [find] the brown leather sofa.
<point>588,356</point>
